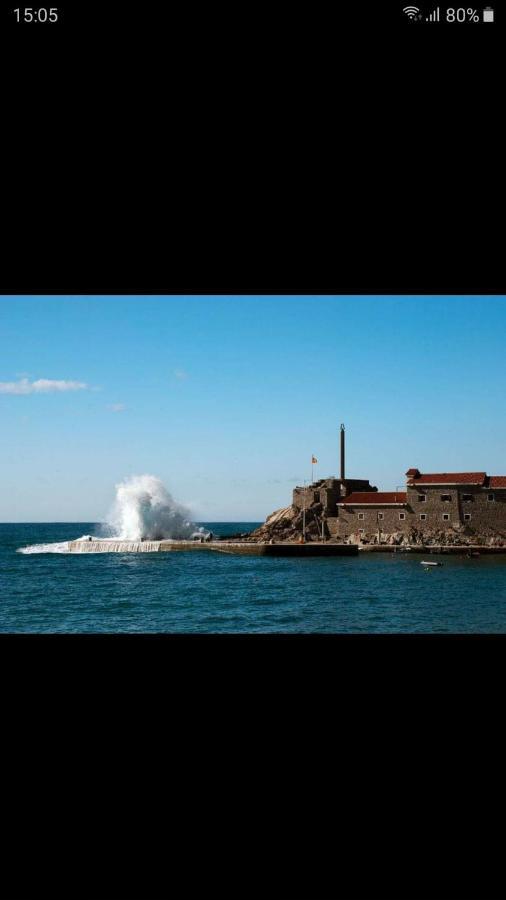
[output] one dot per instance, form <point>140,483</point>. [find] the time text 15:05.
<point>36,14</point>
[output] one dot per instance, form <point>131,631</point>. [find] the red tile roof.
<point>497,481</point>
<point>450,478</point>
<point>376,497</point>
<point>412,473</point>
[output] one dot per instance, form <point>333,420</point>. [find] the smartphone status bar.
<point>461,15</point>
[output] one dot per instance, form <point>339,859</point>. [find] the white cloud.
<point>180,374</point>
<point>116,407</point>
<point>41,386</point>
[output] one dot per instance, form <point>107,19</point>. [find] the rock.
<point>287,514</point>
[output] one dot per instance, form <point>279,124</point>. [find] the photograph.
<point>253,464</point>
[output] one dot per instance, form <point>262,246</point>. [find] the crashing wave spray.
<point>144,510</point>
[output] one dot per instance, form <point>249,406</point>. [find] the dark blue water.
<point>213,592</point>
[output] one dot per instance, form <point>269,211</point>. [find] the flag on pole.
<point>313,460</point>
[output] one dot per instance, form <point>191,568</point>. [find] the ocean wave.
<point>59,547</point>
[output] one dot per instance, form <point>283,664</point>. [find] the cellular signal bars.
<point>434,16</point>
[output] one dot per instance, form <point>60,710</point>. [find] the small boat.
<point>424,562</point>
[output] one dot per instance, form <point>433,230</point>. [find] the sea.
<point>54,592</point>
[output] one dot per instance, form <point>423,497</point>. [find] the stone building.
<point>471,502</point>
<point>441,502</point>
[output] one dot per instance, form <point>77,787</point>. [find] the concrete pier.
<point>236,547</point>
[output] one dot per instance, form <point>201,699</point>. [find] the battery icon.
<point>488,14</point>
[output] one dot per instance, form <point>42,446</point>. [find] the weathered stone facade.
<point>452,504</point>
<point>368,521</point>
<point>329,492</point>
<point>458,503</point>
<point>440,507</point>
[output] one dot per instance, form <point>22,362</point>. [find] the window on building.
<point>490,497</point>
<point>422,498</point>
<point>402,516</point>
<point>446,517</point>
<point>423,516</point>
<point>381,516</point>
<point>446,498</point>
<point>467,516</point>
<point>361,515</point>
<point>317,496</point>
<point>467,498</point>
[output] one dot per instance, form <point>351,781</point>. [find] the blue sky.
<point>226,398</point>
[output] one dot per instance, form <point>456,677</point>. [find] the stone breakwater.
<point>240,547</point>
<point>108,546</point>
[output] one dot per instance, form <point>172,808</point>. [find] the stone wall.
<point>353,520</point>
<point>328,492</point>
<point>428,503</point>
<point>485,515</point>
<point>304,497</point>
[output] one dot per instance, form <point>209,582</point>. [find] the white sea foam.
<point>57,547</point>
<point>61,547</point>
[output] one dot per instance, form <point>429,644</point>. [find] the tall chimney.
<point>342,452</point>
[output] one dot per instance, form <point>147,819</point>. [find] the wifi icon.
<point>411,11</point>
